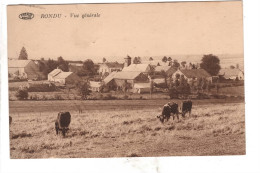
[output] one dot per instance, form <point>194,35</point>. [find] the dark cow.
<point>186,107</point>
<point>168,110</point>
<point>62,122</point>
<point>10,120</point>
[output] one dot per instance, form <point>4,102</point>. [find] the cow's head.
<point>161,118</point>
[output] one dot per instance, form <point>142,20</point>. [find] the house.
<point>192,74</point>
<point>119,79</point>
<point>110,67</point>
<point>57,75</point>
<point>233,74</point>
<point>168,69</point>
<point>143,68</point>
<point>24,69</point>
<point>142,88</point>
<point>95,86</point>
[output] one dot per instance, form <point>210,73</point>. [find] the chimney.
<point>127,61</point>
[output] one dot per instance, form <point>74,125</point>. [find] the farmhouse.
<point>110,67</point>
<point>120,79</point>
<point>233,74</point>
<point>24,69</point>
<point>192,74</point>
<point>57,75</point>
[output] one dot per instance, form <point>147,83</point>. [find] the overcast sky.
<point>150,29</point>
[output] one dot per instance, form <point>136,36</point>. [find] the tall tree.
<point>51,65</point>
<point>23,54</point>
<point>88,67</point>
<point>176,64</point>
<point>169,59</point>
<point>164,59</point>
<point>104,60</point>
<point>183,64</point>
<point>210,63</point>
<point>62,64</point>
<point>137,60</point>
<point>151,59</point>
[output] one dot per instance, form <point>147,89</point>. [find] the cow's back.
<point>64,119</point>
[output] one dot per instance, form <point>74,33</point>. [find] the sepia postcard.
<point>126,80</point>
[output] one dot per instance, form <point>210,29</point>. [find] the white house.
<point>233,74</point>
<point>192,74</point>
<point>57,75</point>
<point>110,67</point>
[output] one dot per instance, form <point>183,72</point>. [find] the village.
<point>134,78</point>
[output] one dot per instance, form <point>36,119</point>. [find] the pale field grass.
<point>212,129</point>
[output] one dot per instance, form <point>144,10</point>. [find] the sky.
<point>136,29</point>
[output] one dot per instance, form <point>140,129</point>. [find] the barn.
<point>120,79</point>
<point>57,75</point>
<point>142,68</point>
<point>24,69</point>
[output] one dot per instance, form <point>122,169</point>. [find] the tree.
<point>22,94</point>
<point>84,89</point>
<point>88,67</point>
<point>137,60</point>
<point>176,64</point>
<point>232,67</point>
<point>51,65</point>
<point>169,59</point>
<point>23,54</point>
<point>104,60</point>
<point>210,63</point>
<point>164,59</point>
<point>62,64</point>
<point>183,64</point>
<point>151,59</point>
<point>165,76</point>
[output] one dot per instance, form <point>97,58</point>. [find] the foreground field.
<point>213,129</point>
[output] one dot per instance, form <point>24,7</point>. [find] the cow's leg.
<point>189,113</point>
<point>57,128</point>
<point>178,116</point>
<point>63,132</point>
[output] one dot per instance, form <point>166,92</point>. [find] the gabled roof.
<point>227,72</point>
<point>114,65</point>
<point>127,75</point>
<point>63,75</point>
<point>165,68</point>
<point>110,77</point>
<point>121,75</point>
<point>137,68</point>
<point>195,73</point>
<point>55,72</point>
<point>18,63</point>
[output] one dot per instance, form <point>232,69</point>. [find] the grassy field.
<point>125,128</point>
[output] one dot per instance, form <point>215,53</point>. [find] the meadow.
<point>125,128</point>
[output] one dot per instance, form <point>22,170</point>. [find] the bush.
<point>22,94</point>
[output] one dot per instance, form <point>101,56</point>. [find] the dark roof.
<point>195,73</point>
<point>114,65</point>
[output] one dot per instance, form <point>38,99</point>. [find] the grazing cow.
<point>186,107</point>
<point>62,122</point>
<point>10,120</point>
<point>168,110</point>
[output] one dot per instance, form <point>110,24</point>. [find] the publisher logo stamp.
<point>26,16</point>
